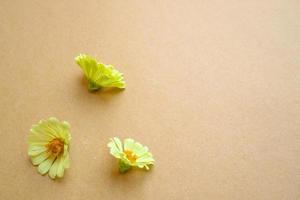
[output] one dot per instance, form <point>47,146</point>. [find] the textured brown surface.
<point>213,88</point>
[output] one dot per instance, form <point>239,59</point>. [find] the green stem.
<point>93,86</point>
<point>123,167</point>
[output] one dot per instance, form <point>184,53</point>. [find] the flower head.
<point>131,154</point>
<point>98,74</point>
<point>49,146</point>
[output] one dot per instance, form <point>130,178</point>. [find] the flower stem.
<point>123,167</point>
<point>93,86</point>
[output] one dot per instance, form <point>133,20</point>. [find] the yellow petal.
<point>41,130</point>
<point>128,144</point>
<point>115,147</point>
<point>53,169</point>
<point>46,165</point>
<point>118,143</point>
<point>64,163</point>
<point>40,158</point>
<point>115,152</point>
<point>36,150</point>
<point>140,152</point>
<point>145,160</point>
<point>67,161</point>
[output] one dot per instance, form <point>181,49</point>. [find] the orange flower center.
<point>56,146</point>
<point>130,156</point>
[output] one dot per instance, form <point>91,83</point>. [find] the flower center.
<point>56,146</point>
<point>130,156</point>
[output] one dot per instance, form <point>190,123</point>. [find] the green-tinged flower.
<point>98,74</point>
<point>49,146</point>
<point>132,154</point>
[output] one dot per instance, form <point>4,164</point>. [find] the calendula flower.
<point>132,154</point>
<point>49,146</point>
<point>98,74</point>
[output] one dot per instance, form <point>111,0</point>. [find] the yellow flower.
<point>98,74</point>
<point>132,154</point>
<point>49,146</point>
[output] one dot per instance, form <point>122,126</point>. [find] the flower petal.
<point>115,151</point>
<point>115,146</point>
<point>60,167</point>
<point>56,127</point>
<point>128,144</point>
<point>39,136</point>
<point>46,165</point>
<point>40,158</point>
<point>118,143</point>
<point>44,128</point>
<point>140,151</point>
<point>87,63</point>
<point>66,161</point>
<point>145,160</point>
<point>53,169</point>
<point>36,150</point>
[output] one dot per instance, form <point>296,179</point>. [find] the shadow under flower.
<point>126,182</point>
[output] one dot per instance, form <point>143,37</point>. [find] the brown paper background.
<point>213,88</point>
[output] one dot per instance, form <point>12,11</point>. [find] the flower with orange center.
<point>49,146</point>
<point>132,154</point>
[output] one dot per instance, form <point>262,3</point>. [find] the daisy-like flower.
<point>132,154</point>
<point>98,74</point>
<point>49,146</point>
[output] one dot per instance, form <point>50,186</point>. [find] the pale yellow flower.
<point>98,74</point>
<point>49,146</point>
<point>131,154</point>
